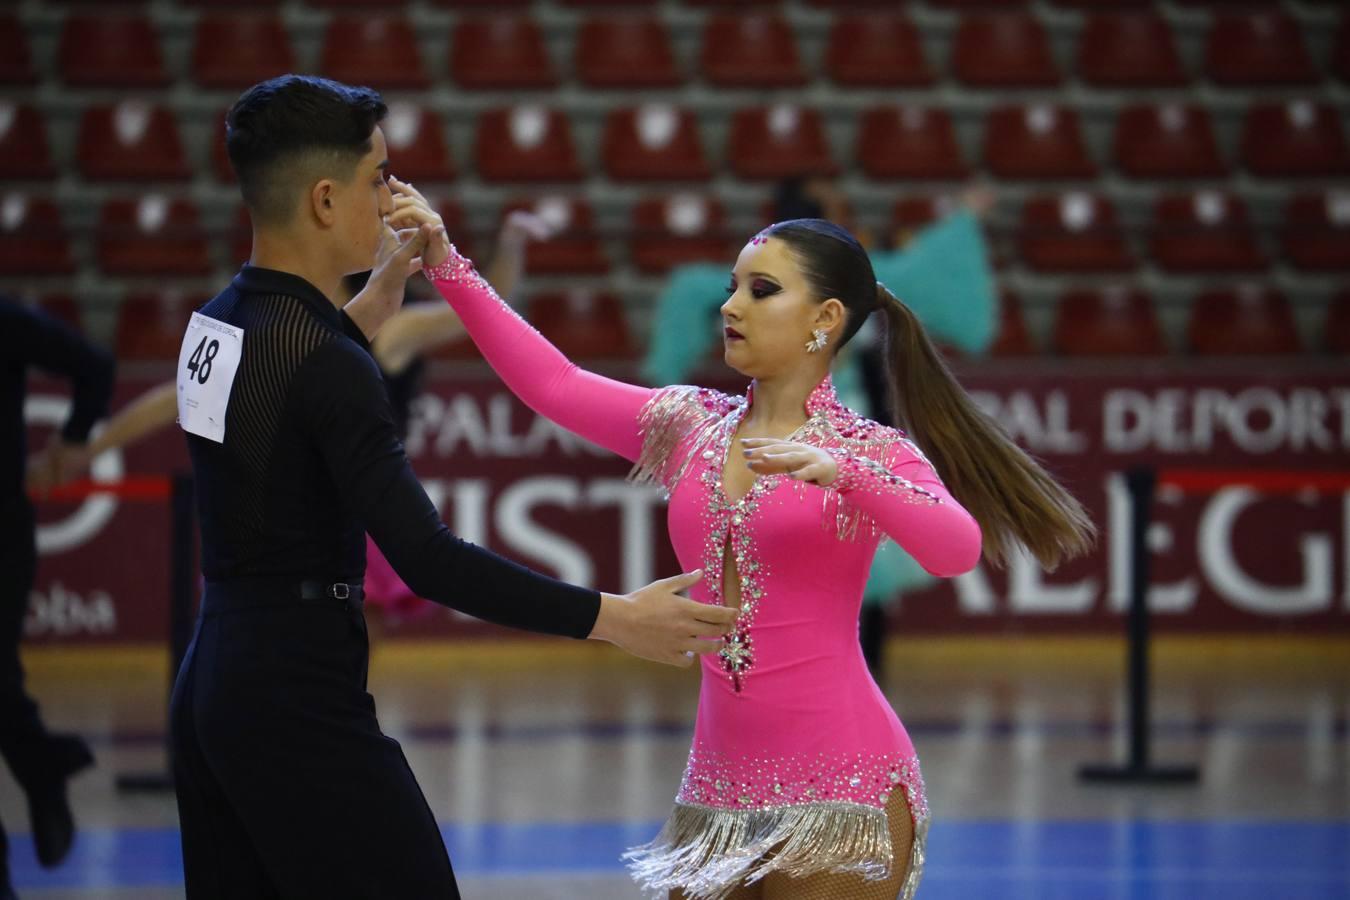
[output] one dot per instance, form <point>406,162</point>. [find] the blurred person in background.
<point>801,781</point>
<point>41,762</point>
<point>943,274</point>
<point>398,348</point>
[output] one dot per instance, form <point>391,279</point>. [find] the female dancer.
<point>801,782</point>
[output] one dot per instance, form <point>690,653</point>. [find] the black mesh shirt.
<point>311,460</point>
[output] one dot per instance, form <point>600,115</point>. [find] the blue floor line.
<point>1159,860</point>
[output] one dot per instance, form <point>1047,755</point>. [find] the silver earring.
<point>817,342</point>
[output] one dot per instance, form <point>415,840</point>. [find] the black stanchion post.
<point>182,586</point>
<point>1139,768</point>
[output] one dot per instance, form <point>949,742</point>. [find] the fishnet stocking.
<point>831,886</point>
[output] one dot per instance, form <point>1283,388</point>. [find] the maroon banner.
<point>1233,560</point>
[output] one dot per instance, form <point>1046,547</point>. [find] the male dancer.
<point>286,786</point>
<point>41,762</point>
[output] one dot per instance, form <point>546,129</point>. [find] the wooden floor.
<point>544,759</point>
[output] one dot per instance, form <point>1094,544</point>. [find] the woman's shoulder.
<point>858,434</point>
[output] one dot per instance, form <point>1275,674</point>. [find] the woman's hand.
<point>412,210</point>
<point>770,456</point>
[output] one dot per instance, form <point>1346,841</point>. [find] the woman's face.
<point>772,311</point>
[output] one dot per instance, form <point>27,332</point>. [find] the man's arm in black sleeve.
<point>343,397</point>
<point>39,340</point>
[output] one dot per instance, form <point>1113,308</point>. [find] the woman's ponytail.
<point>1012,498</point>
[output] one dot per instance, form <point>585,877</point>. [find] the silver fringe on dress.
<point>707,852</point>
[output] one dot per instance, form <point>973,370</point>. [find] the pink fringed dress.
<point>795,748</point>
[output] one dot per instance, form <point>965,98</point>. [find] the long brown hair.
<point>1014,500</point>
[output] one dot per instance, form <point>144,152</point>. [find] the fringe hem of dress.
<point>707,852</point>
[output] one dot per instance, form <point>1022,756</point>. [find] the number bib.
<point>207,364</point>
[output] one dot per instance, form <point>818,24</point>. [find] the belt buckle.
<point>340,591</point>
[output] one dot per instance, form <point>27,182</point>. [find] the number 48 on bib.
<point>207,363</point>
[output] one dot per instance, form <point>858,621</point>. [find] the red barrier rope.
<point>1207,481</point>
<point>133,488</point>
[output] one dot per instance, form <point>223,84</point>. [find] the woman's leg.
<point>831,886</point>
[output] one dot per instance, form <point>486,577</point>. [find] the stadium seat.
<point>150,326</point>
<point>1072,233</point>
<point>236,50</point>
<point>1129,50</point>
<point>1036,142</point>
<point>609,3</point>
<point>356,4</point>
<point>1012,337</point>
<point>1246,321</point>
<point>1115,321</point>
<point>525,143</point>
<point>754,50</point>
<point>782,141</point>
<point>576,250</point>
<point>1298,138</point>
<point>16,60</point>
<point>583,324</point>
<point>100,50</point>
<point>737,4</point>
<point>1204,232</point>
<point>152,235</point>
<point>220,158</point>
<point>380,51</point>
<point>1097,5</point>
<point>1257,48</point>
<point>501,51</point>
<point>979,5</point>
<point>233,4</point>
<point>1003,50</point>
<point>877,50</point>
<point>33,239</point>
<point>655,142</point>
<point>909,142</point>
<point>24,151</point>
<point>1336,332</point>
<point>912,214</point>
<point>1171,141</point>
<point>678,229</point>
<point>1316,233</point>
<point>626,52</point>
<point>1340,52</point>
<point>132,141</point>
<point>416,140</point>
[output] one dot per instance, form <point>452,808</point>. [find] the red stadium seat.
<point>357,4</point>
<point>1204,232</point>
<point>626,52</point>
<point>610,3</point>
<point>1012,337</point>
<point>525,143</point>
<point>576,250</point>
<point>1170,141</point>
<point>233,4</point>
<point>914,213</point>
<point>132,141</point>
<point>33,240</point>
<point>583,324</point>
<point>416,140</point>
<point>1340,53</point>
<point>1248,321</point>
<point>1073,233</point>
<point>782,141</point>
<point>1097,5</point>
<point>1257,48</point>
<point>1036,142</point>
<point>500,52</point>
<point>1129,49</point>
<point>151,326</point>
<point>979,5</point>
<point>878,50</point>
<point>909,142</point>
<point>24,151</point>
<point>750,51</point>
<point>682,228</point>
<point>16,61</point>
<point>235,50</point>
<point>1006,50</point>
<point>731,3</point>
<point>154,235</point>
<point>99,50</point>
<point>1116,321</point>
<point>220,157</point>
<point>656,142</point>
<point>1336,332</point>
<point>1298,138</point>
<point>380,51</point>
<point>1316,234</point>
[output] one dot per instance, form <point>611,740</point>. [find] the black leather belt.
<point>269,592</point>
<point>353,592</point>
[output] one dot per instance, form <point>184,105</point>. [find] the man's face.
<point>361,205</point>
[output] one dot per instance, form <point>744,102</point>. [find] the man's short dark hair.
<point>295,129</point>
